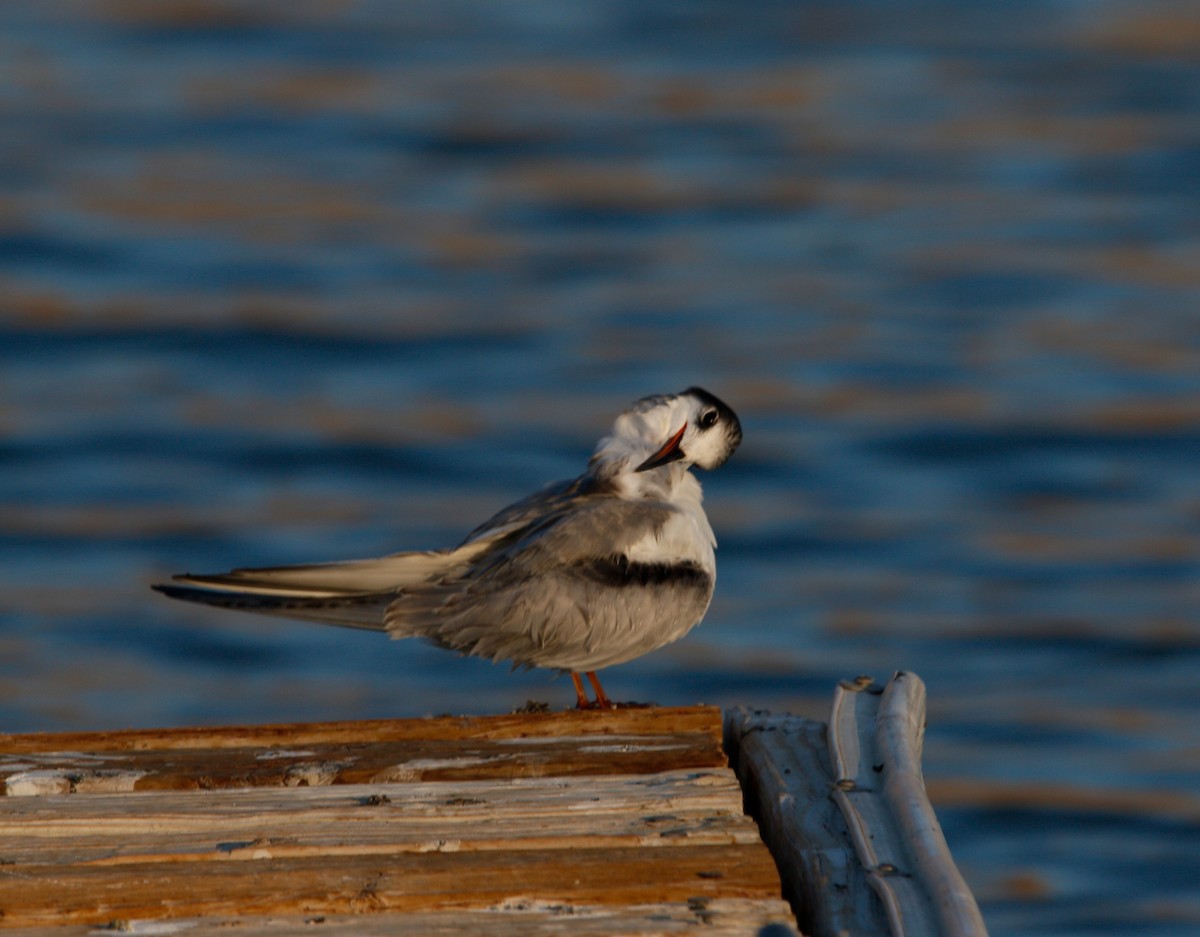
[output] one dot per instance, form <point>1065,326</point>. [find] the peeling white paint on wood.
<point>39,782</point>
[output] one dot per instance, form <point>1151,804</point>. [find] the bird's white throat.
<point>686,536</point>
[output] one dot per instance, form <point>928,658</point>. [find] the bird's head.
<point>689,428</point>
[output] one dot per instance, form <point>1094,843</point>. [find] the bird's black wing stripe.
<point>619,571</point>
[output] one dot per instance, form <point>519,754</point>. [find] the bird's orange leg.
<point>602,700</point>
<point>582,702</point>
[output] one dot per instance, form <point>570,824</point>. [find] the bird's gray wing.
<point>548,502</point>
<point>576,532</point>
<point>355,593</point>
<point>557,590</point>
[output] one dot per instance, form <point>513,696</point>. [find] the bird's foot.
<point>581,699</point>
<point>588,704</point>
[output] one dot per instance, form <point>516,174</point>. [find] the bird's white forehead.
<point>652,419</point>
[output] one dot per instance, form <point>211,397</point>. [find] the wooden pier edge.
<point>844,811</point>
<point>535,824</point>
<point>587,823</point>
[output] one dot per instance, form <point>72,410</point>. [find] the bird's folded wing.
<point>539,595</point>
<point>352,594</point>
<point>548,503</point>
<point>321,580</point>
<point>579,533</point>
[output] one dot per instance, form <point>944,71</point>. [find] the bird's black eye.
<point>708,419</point>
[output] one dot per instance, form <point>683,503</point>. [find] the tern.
<point>582,575</point>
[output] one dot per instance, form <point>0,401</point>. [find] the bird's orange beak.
<point>668,453</point>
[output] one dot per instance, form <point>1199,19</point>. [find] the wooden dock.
<point>622,822</point>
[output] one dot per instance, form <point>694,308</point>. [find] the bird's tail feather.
<point>353,594</point>
<point>384,574</point>
<point>364,610</point>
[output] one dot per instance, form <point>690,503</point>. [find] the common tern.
<point>582,575</point>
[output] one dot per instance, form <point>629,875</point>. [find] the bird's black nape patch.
<point>705,397</point>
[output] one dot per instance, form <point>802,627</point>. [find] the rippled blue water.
<point>293,282</point>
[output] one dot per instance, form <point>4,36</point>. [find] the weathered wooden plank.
<point>718,917</point>
<point>845,812</point>
<point>702,807</point>
<point>95,895</point>
<point>627,821</point>
<point>875,739</point>
<point>571,722</point>
<point>434,798</point>
<point>486,747</point>
<point>783,763</point>
<point>376,762</point>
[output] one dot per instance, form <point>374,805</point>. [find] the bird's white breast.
<point>685,537</point>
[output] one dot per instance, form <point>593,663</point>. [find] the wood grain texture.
<point>783,762</point>
<point>876,736</point>
<point>396,882</point>
<point>523,917</point>
<point>580,823</point>
<point>652,720</point>
<point>692,807</point>
<point>634,741</point>
<point>844,809</point>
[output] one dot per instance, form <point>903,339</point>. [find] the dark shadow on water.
<point>189,646</point>
<point>966,444</point>
<point>239,344</point>
<point>1086,860</point>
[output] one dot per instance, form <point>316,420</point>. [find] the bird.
<point>584,574</point>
